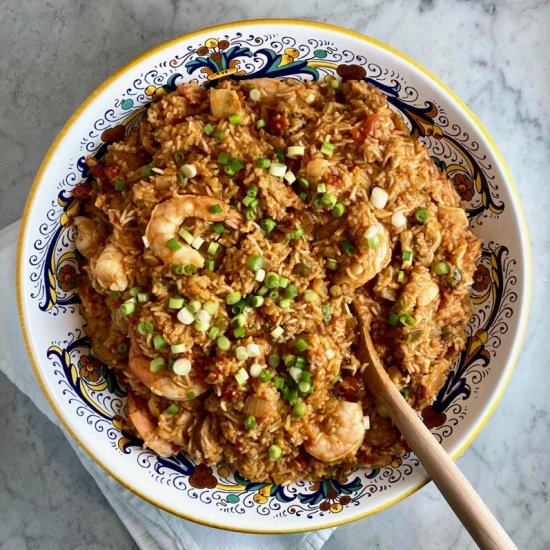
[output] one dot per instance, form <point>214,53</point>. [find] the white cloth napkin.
<point>150,527</point>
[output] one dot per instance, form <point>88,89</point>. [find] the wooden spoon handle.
<point>461,496</point>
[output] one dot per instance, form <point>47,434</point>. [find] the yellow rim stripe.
<point>118,74</point>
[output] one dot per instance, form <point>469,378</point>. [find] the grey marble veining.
<point>494,55</point>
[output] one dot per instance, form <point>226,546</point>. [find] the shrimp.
<point>165,383</point>
<point>369,259</point>
<point>341,435</point>
<point>88,236</point>
<point>224,102</point>
<point>269,87</point>
<point>146,428</point>
<point>168,216</point>
<point>109,269</point>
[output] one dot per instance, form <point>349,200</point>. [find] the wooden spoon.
<point>457,491</point>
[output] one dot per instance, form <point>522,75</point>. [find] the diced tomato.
<point>111,172</point>
<point>82,191</point>
<point>367,128</point>
<point>278,123</point>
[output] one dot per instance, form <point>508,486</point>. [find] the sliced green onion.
<point>400,276</point>
<point>113,294</point>
<point>252,191</point>
<point>122,347</point>
<point>300,345</point>
<point>260,275</point>
<point>159,342</point>
<point>260,123</point>
<point>210,307</point>
<point>257,301</point>
<point>156,364</point>
<point>277,169</point>
<point>272,280</point>
<point>298,410</point>
<point>249,214</point>
<point>307,376</point>
<point>304,386</point>
<point>185,235</point>
<point>189,269</point>
<point>181,178</point>
<point>331,264</point>
<point>393,319</point>
<point>285,303</point>
<point>421,215</point>
<point>283,282</point>
<point>143,297</point>
<point>233,298</point>
<point>335,291</point>
<point>240,353</point>
<point>182,366</point>
<point>235,118</point>
<point>250,422</point>
<point>209,265</point>
<point>327,313</point>
<point>328,199</point>
<point>239,307</point>
<point>190,395</point>
<point>255,262</point>
<point>146,171</point>
<point>208,128</point>
<point>179,157</point>
<point>289,360</point>
<point>327,149</point>
<point>274,294</point>
<point>265,376</point>
<point>219,134</point>
<point>134,291</point>
<point>255,94</point>
<point>273,359</point>
<point>268,225</point>
<point>311,296</point>
<point>407,255</point>
<point>213,333</point>
<point>441,268</point>
<point>223,157</point>
<point>247,201</point>
<point>405,392</point>
<point>188,170</point>
<point>347,247</point>
<point>277,332</point>
<point>338,210</point>
<point>263,290</point>
<point>263,163</point>
<point>173,244</point>
<point>197,242</point>
<point>201,326</point>
<point>223,343</point>
<point>279,382</point>
<point>145,328</point>
<point>218,228</point>
<point>216,208</point>
<point>280,155</point>
<point>239,320</point>
<point>289,177</point>
<point>255,370</point>
<point>335,84</point>
<point>212,248</point>
<point>300,362</point>
<point>407,320</point>
<point>321,188</point>
<point>178,269</point>
<point>239,332</point>
<point>242,376</point>
<point>194,306</point>
<point>291,291</point>
<point>127,308</point>
<point>185,316</point>
<point>176,302</point>
<point>303,183</point>
<point>177,348</point>
<point>275,453</point>
<point>119,185</point>
<point>295,151</point>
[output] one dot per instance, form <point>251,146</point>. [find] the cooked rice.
<point>372,148</point>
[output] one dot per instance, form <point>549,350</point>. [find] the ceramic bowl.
<point>86,395</point>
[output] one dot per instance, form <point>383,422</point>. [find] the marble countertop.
<point>495,56</point>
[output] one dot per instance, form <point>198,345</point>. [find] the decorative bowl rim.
<point>522,228</point>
